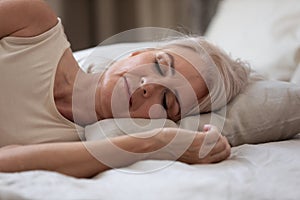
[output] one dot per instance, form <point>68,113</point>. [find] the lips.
<point>127,88</point>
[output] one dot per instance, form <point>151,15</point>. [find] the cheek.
<point>136,65</point>
<point>108,85</point>
<point>117,69</point>
<point>188,98</point>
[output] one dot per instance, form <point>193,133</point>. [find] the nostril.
<point>144,91</point>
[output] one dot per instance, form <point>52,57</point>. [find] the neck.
<point>83,98</point>
<point>74,92</point>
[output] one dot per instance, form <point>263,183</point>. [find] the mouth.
<point>127,88</point>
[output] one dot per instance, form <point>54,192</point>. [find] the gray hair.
<point>227,78</point>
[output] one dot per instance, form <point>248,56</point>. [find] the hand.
<point>213,148</point>
<point>192,147</point>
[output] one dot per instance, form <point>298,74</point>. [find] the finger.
<point>220,146</point>
<point>220,156</point>
<point>211,138</point>
<point>206,127</point>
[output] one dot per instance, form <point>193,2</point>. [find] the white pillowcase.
<point>265,111</point>
<point>296,77</point>
<point>264,33</point>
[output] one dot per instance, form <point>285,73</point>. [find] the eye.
<point>164,101</point>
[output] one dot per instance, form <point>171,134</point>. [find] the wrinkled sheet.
<point>264,171</point>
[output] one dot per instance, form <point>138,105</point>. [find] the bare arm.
<point>69,158</point>
<point>74,159</point>
<point>25,18</point>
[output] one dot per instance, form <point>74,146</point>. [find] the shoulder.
<point>25,18</point>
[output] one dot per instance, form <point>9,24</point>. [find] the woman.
<point>40,128</point>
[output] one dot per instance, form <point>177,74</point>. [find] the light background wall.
<point>88,22</point>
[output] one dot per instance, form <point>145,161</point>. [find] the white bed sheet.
<point>264,171</point>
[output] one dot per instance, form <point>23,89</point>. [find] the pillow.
<point>265,111</point>
<point>264,33</point>
<point>296,77</point>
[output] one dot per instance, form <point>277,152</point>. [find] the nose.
<point>148,90</point>
<point>151,86</point>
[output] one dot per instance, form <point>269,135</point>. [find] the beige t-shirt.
<point>28,114</point>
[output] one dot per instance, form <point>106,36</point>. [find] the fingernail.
<point>206,127</point>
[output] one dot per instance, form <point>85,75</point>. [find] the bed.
<point>268,170</point>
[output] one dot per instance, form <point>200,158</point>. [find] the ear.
<point>140,51</point>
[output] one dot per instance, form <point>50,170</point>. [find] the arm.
<point>68,158</point>
<point>73,158</point>
<point>25,18</point>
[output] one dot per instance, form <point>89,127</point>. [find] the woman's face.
<point>150,84</point>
